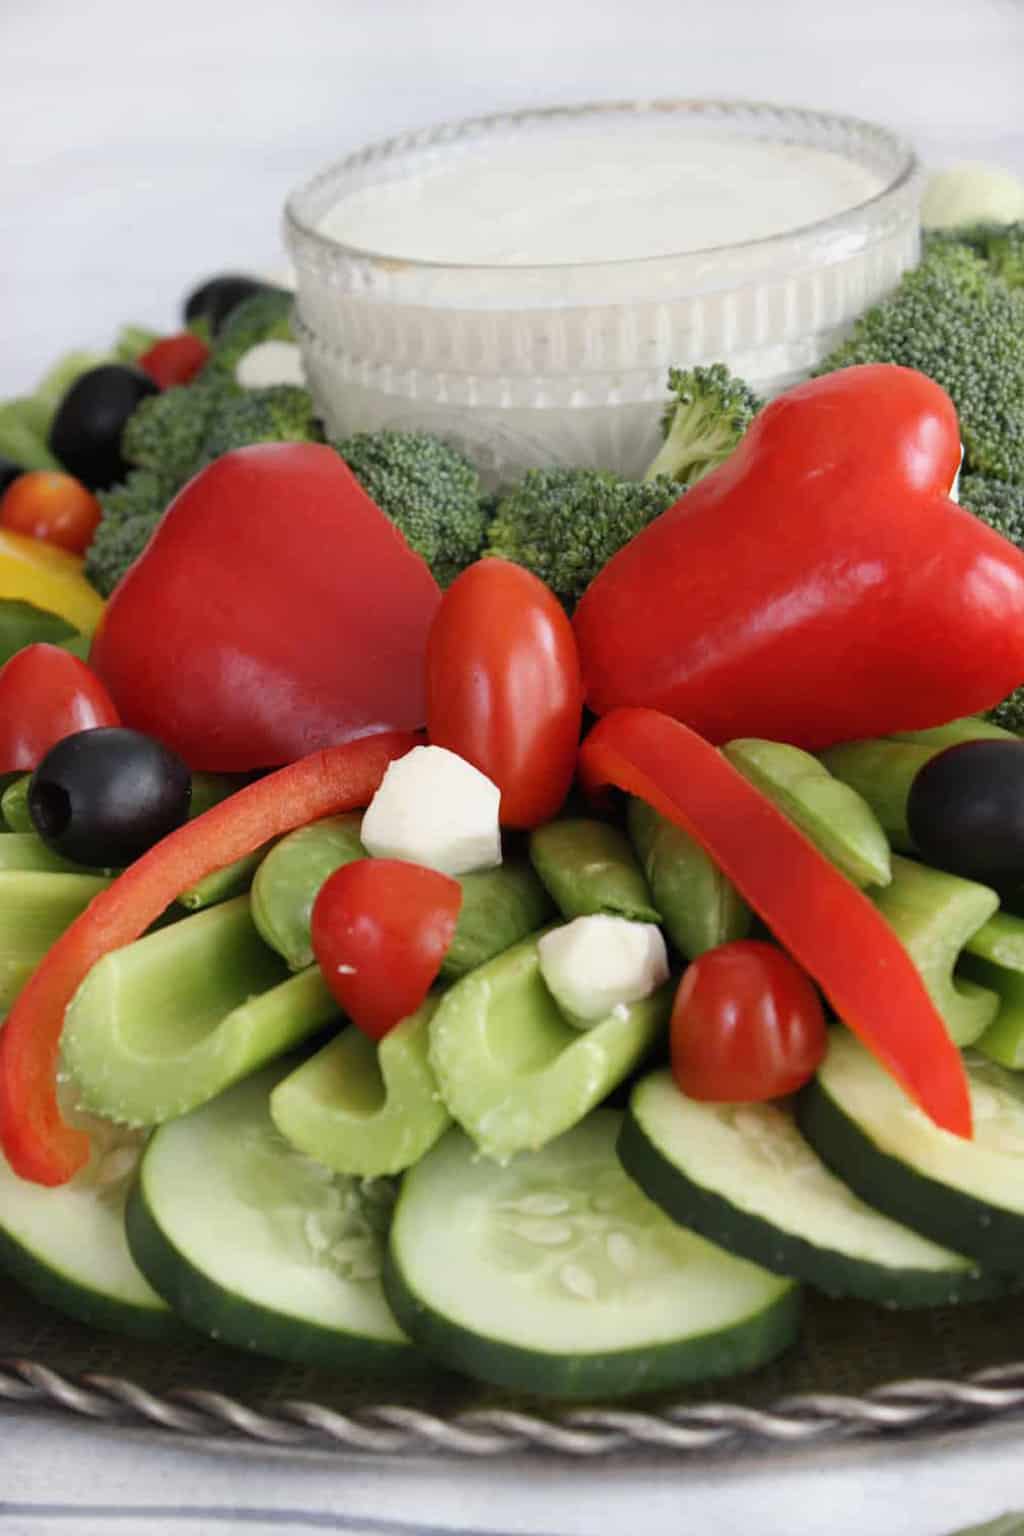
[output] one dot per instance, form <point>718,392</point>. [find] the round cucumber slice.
<point>554,1274</point>
<point>257,1245</point>
<point>968,1194</point>
<point>743,1175</point>
<point>67,1246</point>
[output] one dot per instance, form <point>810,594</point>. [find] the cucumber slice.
<point>365,1108</point>
<point>556,1275</point>
<point>967,1195</point>
<point>256,1245</point>
<point>589,868</point>
<point>168,1022</point>
<point>743,1176</point>
<point>512,1071</point>
<point>67,1245</point>
<point>699,905</point>
<point>35,908</point>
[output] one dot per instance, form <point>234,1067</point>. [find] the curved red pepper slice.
<point>824,921</point>
<point>39,1145</point>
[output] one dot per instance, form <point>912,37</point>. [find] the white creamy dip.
<point>637,192</point>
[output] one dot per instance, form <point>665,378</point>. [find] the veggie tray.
<point>513,1076</point>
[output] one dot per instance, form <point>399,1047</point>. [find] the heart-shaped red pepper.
<point>820,586</point>
<point>275,611</point>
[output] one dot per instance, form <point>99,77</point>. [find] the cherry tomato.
<point>747,1025</point>
<point>174,359</point>
<point>45,695</point>
<point>380,930</point>
<point>43,504</point>
<point>504,688</point>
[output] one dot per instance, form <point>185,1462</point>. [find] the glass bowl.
<point>567,362</point>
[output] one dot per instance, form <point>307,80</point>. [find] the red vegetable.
<point>746,1025</point>
<point>57,508</point>
<point>174,359</point>
<point>38,1144</point>
<point>275,610</point>
<point>504,689</point>
<point>45,695</point>
<point>819,586</point>
<point>829,927</point>
<point>380,930</point>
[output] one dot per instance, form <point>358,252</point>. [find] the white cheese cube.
<point>594,965</point>
<point>270,362</point>
<point>434,808</point>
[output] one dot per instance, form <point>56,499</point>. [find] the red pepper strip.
<point>818,915</point>
<point>38,1144</point>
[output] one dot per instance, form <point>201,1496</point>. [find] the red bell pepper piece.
<point>276,610</point>
<point>174,359</point>
<point>819,586</point>
<point>38,1144</point>
<point>819,916</point>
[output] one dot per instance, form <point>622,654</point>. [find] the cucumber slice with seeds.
<point>556,1275</point>
<point>260,1247</point>
<point>744,1177</point>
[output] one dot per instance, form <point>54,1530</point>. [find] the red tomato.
<point>504,688</point>
<point>44,504</point>
<point>174,359</point>
<point>380,930</point>
<point>746,1025</point>
<point>45,695</point>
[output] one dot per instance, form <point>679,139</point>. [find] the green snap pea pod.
<point>209,789</point>
<point>14,805</point>
<point>589,867</point>
<point>499,907</point>
<point>162,1025</point>
<point>288,881</point>
<point>700,907</point>
<point>24,624</point>
<point>832,814</point>
<point>364,1108</point>
<point>935,915</point>
<point>994,958</point>
<point>970,728</point>
<point>35,908</point>
<point>223,884</point>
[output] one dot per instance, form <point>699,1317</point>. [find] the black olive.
<point>102,797</point>
<point>965,812</point>
<point>9,472</point>
<point>85,433</point>
<point>214,300</point>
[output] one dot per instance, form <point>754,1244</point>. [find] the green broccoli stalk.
<point>709,413</point>
<point>565,524</point>
<point>281,413</point>
<point>951,319</point>
<point>428,490</point>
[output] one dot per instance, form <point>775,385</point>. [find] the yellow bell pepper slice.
<point>49,577</point>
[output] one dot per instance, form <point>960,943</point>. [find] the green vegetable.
<point>500,907</point>
<point>994,958</point>
<point>23,624</point>
<point>1001,506</point>
<point>1001,246</point>
<point>35,908</point>
<point>23,427</point>
<point>223,884</point>
<point>132,341</point>
<point>709,413</point>
<point>428,490</point>
<point>288,882</point>
<point>56,382</point>
<point>166,432</point>
<point>565,524</point>
<point>280,413</point>
<point>364,1108</point>
<point>512,1071</point>
<point>131,512</point>
<point>588,866</point>
<point>14,805</point>
<point>699,905</point>
<point>266,316</point>
<point>833,815</point>
<point>953,320</point>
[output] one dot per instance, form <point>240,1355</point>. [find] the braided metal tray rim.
<point>685,1431</point>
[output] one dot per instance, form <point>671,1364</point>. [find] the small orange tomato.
<point>44,504</point>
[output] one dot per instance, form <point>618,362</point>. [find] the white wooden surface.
<point>147,144</point>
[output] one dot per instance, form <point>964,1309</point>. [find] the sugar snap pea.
<point>588,867</point>
<point>699,906</point>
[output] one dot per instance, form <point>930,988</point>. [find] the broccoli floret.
<point>709,413</point>
<point>952,320</point>
<point>565,524</point>
<point>264,317</point>
<point>1010,713</point>
<point>282,413</point>
<point>166,432</point>
<point>998,504</point>
<point>1000,246</point>
<point>131,511</point>
<point>428,490</point>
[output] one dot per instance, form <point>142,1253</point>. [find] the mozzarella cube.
<point>270,362</point>
<point>434,808</point>
<point>594,966</point>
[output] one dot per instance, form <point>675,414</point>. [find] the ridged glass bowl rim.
<point>304,237</point>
